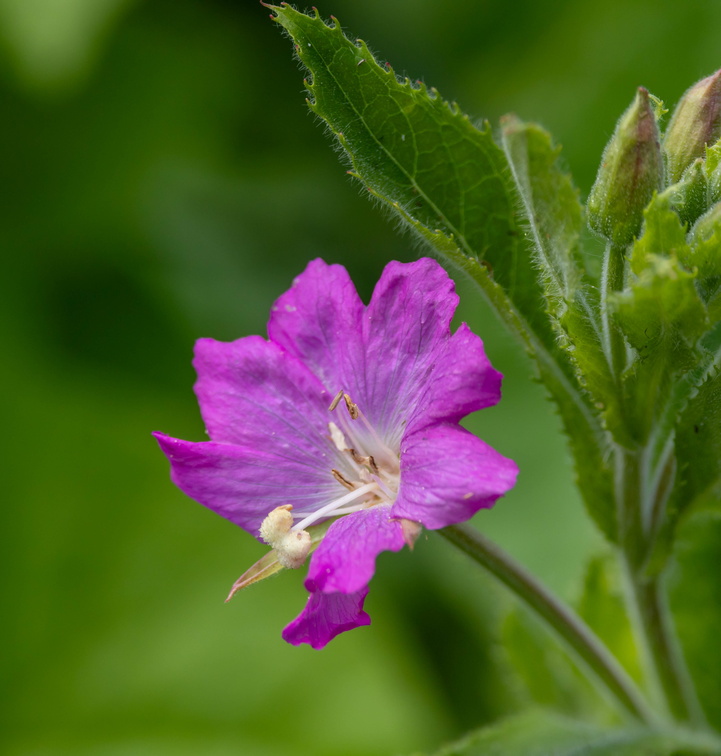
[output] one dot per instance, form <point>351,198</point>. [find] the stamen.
<point>352,408</point>
<point>328,509</point>
<point>342,480</point>
<point>364,461</point>
<point>383,453</point>
<point>291,546</point>
<point>386,490</point>
<point>337,437</point>
<point>353,508</point>
<point>336,400</point>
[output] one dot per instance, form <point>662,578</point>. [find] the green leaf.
<point>661,308</point>
<point>554,216</point>
<point>661,315</point>
<point>450,184</point>
<point>705,257</point>
<point>695,593</point>
<point>446,179</point>
<point>663,235</point>
<point>603,607</point>
<point>551,208</point>
<point>547,675</point>
<point>542,733</point>
<point>698,450</point>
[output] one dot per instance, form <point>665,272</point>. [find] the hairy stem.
<point>669,666</point>
<point>665,665</point>
<point>613,277</point>
<point>567,624</point>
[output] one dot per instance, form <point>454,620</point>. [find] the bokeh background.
<point>162,180</point>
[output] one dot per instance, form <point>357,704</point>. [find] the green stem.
<point>569,626</point>
<point>613,278</point>
<point>668,664</point>
<point>666,667</point>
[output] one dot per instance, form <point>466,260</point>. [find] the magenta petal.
<point>447,475</point>
<point>318,321</point>
<point>406,328</point>
<point>345,560</point>
<point>242,484</point>
<point>325,616</point>
<point>252,393</point>
<point>462,381</point>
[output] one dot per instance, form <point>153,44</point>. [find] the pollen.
<point>291,546</point>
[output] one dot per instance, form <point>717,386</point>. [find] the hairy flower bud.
<point>689,196</point>
<point>631,171</point>
<point>695,123</point>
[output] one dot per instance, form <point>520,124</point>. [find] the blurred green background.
<point>163,180</point>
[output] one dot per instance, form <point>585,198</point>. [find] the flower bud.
<point>631,171</point>
<point>689,196</point>
<point>695,123</point>
<point>707,225</point>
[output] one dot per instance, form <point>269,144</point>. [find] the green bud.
<point>712,167</point>
<point>631,171</point>
<point>705,257</point>
<point>695,123</point>
<point>688,197</point>
<point>707,225</point>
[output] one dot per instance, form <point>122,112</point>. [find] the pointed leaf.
<point>551,208</point>
<point>423,156</point>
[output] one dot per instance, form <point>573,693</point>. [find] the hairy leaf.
<point>418,153</point>
<point>661,315</point>
<point>551,208</point>
<point>698,450</point>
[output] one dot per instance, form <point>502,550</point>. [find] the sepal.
<point>269,564</point>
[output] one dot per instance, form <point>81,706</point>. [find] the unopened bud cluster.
<point>638,162</point>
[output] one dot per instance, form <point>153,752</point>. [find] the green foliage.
<point>548,677</point>
<point>603,607</point>
<point>705,257</point>
<point>698,450</point>
<point>689,197</point>
<point>552,211</point>
<point>696,602</point>
<point>662,316</point>
<point>443,176</point>
<point>542,733</point>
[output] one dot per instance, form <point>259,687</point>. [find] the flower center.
<point>366,466</point>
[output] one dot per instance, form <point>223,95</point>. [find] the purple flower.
<point>347,415</point>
